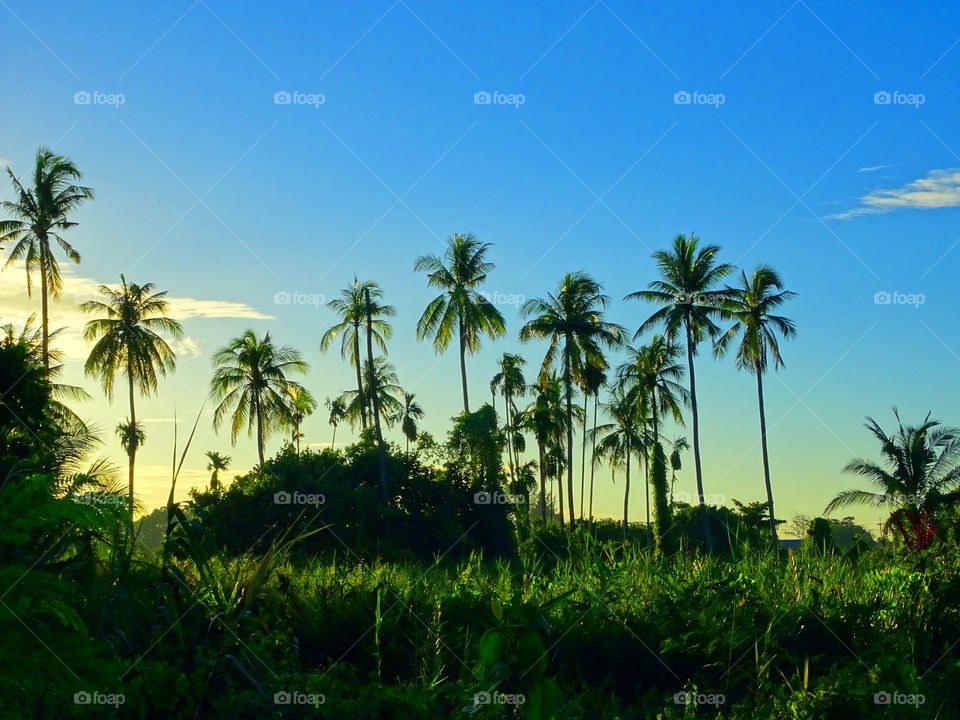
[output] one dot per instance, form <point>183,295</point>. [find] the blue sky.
<point>819,139</point>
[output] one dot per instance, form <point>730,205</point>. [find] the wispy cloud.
<point>16,307</point>
<point>939,189</point>
<point>188,309</point>
<point>873,168</point>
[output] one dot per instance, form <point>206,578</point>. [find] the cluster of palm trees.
<point>253,388</point>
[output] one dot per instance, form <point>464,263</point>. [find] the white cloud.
<point>186,347</point>
<point>188,309</point>
<point>873,168</point>
<point>939,189</point>
<point>16,307</point>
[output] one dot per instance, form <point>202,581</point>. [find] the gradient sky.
<point>829,150</point>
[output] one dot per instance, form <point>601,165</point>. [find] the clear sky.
<point>820,138</point>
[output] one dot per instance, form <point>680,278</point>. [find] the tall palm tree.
<point>351,307</point>
<point>408,416</point>
<point>546,419</point>
<point>572,322</point>
<point>385,381</point>
<point>686,290</point>
<point>590,382</point>
<point>751,306</point>
<point>301,405</point>
<point>922,475</point>
<point>337,413</point>
<point>460,311</point>
<point>510,381</point>
<point>250,385</point>
<point>218,463</point>
<point>622,437</point>
<point>127,340</point>
<point>39,214</point>
<point>595,379</point>
<point>655,373</point>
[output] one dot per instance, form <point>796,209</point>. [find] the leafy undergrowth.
<point>610,632</point>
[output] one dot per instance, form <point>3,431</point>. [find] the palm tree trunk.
<point>132,439</point>
<point>333,442</point>
<point>260,435</point>
<point>543,486</point>
<point>45,319</point>
<point>704,527</point>
<point>593,453</point>
<point>463,364</point>
<point>363,398</point>
<point>513,474</point>
<point>583,453</point>
<point>766,460</point>
<point>569,384</point>
<point>563,525</point>
<point>646,486</point>
<point>374,397</point>
<point>626,494</point>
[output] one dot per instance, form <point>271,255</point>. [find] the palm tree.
<point>30,337</point>
<point>351,307</point>
<point>338,413</point>
<point>39,214</point>
<point>594,380</point>
<point>250,384</point>
<point>622,437</point>
<point>460,309</point>
<point>922,475</point>
<point>301,404</point>
<point>387,384</point>
<point>751,307</point>
<point>686,291</point>
<point>678,446</point>
<point>128,341</point>
<point>374,400</point>
<point>509,380</point>
<point>408,416</point>
<point>572,322</point>
<point>218,462</point>
<point>546,419</point>
<point>653,369</point>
